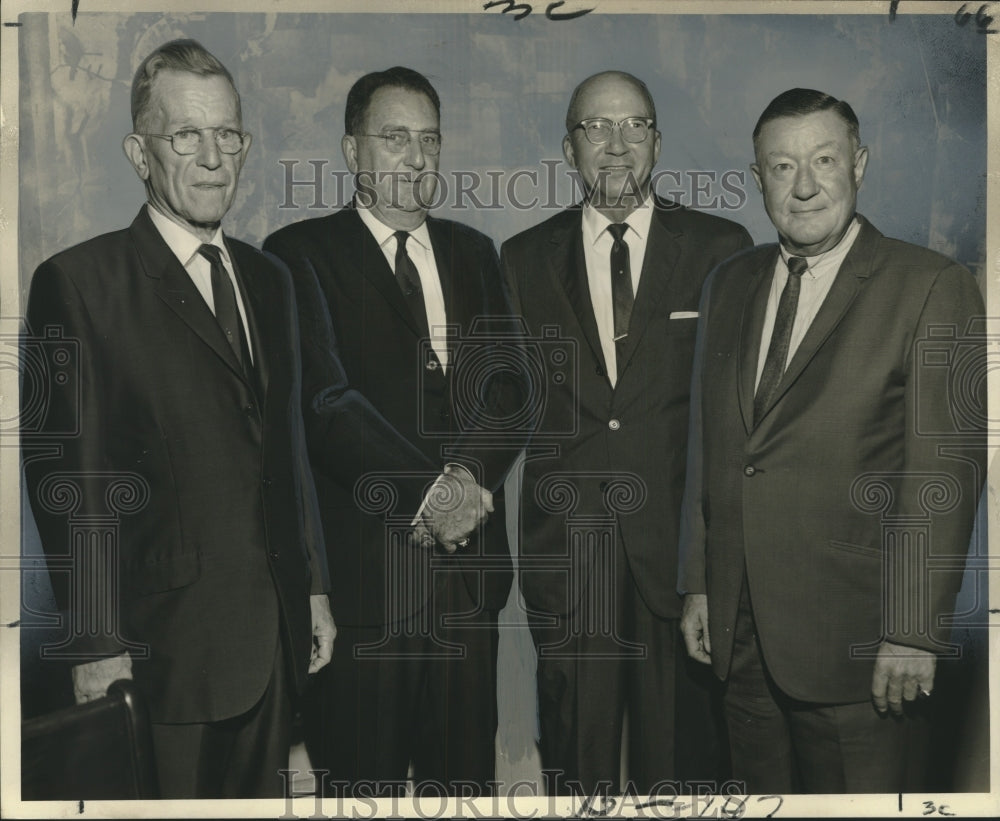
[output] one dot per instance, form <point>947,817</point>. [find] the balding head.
<point>607,81</point>
<point>616,151</point>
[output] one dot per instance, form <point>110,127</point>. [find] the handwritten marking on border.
<point>521,10</point>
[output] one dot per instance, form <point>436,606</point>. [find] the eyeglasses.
<point>397,140</point>
<point>598,130</point>
<point>188,140</point>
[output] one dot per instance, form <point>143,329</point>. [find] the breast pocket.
<point>681,325</point>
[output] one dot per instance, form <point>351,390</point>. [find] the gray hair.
<point>177,55</point>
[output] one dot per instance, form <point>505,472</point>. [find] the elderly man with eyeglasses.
<point>182,390</point>
<point>398,297</point>
<point>621,274</point>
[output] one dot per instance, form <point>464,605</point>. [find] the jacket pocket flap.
<point>168,574</point>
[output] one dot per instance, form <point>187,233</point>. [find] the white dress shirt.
<point>597,242</point>
<point>816,284</point>
<point>418,246</point>
<point>184,246</point>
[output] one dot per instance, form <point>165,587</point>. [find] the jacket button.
<point>248,409</point>
<point>614,424</point>
<point>267,482</point>
<point>749,470</point>
<point>431,365</point>
<point>274,555</point>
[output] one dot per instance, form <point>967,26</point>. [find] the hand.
<point>694,627</point>
<point>901,673</point>
<point>456,506</point>
<point>91,680</point>
<point>324,632</point>
<point>422,534</point>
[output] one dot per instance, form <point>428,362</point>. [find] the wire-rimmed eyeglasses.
<point>188,140</point>
<point>397,140</point>
<point>598,130</point>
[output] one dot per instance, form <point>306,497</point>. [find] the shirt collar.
<point>180,241</point>
<point>595,223</point>
<point>383,233</point>
<point>829,260</point>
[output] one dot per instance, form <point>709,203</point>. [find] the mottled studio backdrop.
<point>917,84</point>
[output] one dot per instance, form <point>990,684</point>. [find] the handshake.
<point>452,509</point>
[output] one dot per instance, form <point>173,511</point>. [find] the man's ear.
<point>755,170</point>
<point>349,145</point>
<point>247,139</point>
<point>568,152</point>
<point>860,164</point>
<point>135,149</point>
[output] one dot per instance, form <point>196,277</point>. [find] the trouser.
<point>421,691</point>
<point>238,757</point>
<point>781,745</point>
<point>610,653</point>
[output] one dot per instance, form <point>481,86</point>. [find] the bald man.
<point>620,274</point>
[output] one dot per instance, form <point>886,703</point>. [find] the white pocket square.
<point>684,315</point>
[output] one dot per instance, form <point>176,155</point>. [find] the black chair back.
<point>99,750</point>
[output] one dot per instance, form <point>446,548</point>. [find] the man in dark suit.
<point>186,406</point>
<point>837,458</point>
<point>620,278</point>
<point>414,304</point>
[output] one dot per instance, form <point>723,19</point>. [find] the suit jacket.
<point>616,455</point>
<point>219,545</point>
<point>382,417</point>
<point>870,454</point>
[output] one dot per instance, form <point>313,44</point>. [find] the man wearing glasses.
<point>413,678</point>
<point>621,274</point>
<point>185,399</point>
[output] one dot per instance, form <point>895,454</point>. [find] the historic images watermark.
<point>954,362</point>
<point>552,186</point>
<point>556,797</point>
<point>93,503</point>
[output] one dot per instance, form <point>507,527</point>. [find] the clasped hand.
<point>455,506</point>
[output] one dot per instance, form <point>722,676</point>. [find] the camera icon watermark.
<point>956,362</point>
<point>503,381</point>
<point>45,363</point>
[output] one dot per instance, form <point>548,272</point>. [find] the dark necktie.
<point>621,288</point>
<point>409,283</point>
<point>777,352</point>
<point>226,312</point>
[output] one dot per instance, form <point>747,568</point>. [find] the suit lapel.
<point>174,287</point>
<point>568,265</point>
<point>444,260</point>
<point>259,308</point>
<point>364,254</point>
<point>750,332</point>
<point>453,289</point>
<point>855,268</point>
<point>659,274</point>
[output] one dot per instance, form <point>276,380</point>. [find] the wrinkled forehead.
<point>805,131</point>
<point>402,107</point>
<point>184,95</point>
